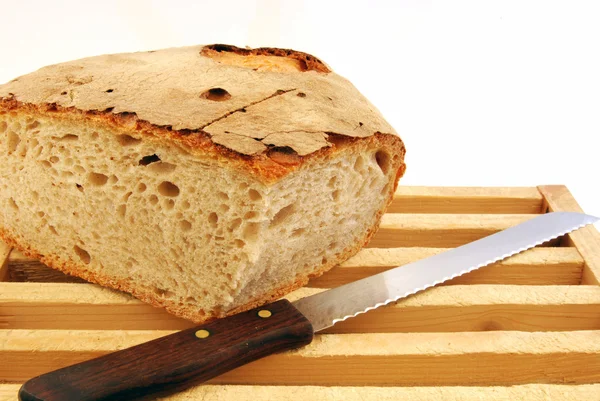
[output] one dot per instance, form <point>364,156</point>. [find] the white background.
<point>483,93</point>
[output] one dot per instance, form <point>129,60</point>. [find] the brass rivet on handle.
<point>202,333</point>
<point>264,313</point>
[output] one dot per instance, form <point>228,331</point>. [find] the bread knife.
<point>192,356</point>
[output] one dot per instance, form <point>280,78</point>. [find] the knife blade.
<point>192,356</point>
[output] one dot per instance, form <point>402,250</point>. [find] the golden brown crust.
<point>268,167</point>
<point>235,104</point>
<point>307,62</point>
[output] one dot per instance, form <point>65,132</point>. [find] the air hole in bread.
<point>121,210</point>
<point>32,125</point>
<point>163,293</point>
<point>185,225</point>
<point>153,199</point>
<point>113,179</point>
<point>251,231</point>
<point>169,204</point>
<point>109,90</point>
<point>167,188</point>
<point>383,161</point>
<point>331,182</point>
<point>216,94</point>
<point>282,215</point>
<point>78,169</point>
<point>67,138</point>
<point>144,161</point>
<point>235,224</point>
<point>359,164</point>
<point>243,185</point>
<point>127,140</point>
<point>254,195</point>
<point>41,214</point>
<point>298,232</point>
<point>223,208</point>
<point>95,235</point>
<point>97,179</point>
<point>13,142</point>
<point>162,167</point>
<point>333,245</point>
<point>213,219</point>
<point>52,230</point>
<point>250,215</point>
<point>127,195</point>
<point>3,127</point>
<point>79,187</point>
<point>335,195</point>
<point>239,243</point>
<point>301,94</point>
<point>223,195</point>
<point>185,205</point>
<point>141,187</point>
<point>54,159</point>
<point>83,254</point>
<point>13,204</point>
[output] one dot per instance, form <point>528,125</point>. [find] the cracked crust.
<point>249,101</point>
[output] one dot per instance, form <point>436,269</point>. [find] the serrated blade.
<point>329,307</point>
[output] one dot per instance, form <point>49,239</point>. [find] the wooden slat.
<point>440,230</point>
<point>586,240</point>
<point>537,266</point>
<point>466,200</point>
<point>402,359</point>
<point>529,392</point>
<point>443,309</point>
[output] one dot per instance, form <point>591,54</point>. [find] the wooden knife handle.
<point>176,361</point>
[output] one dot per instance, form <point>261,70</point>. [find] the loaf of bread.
<point>206,180</point>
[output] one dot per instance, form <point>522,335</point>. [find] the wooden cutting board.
<point>525,328</point>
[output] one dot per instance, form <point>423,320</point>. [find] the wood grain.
<point>400,359</point>
<point>537,266</point>
<point>519,329</point>
<point>586,240</point>
<point>443,309</point>
<point>529,392</point>
<point>440,230</point>
<point>500,200</point>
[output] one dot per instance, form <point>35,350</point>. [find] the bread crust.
<point>267,167</point>
<point>167,93</point>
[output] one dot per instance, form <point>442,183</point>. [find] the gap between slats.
<point>538,266</point>
<point>426,359</point>
<point>442,309</point>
